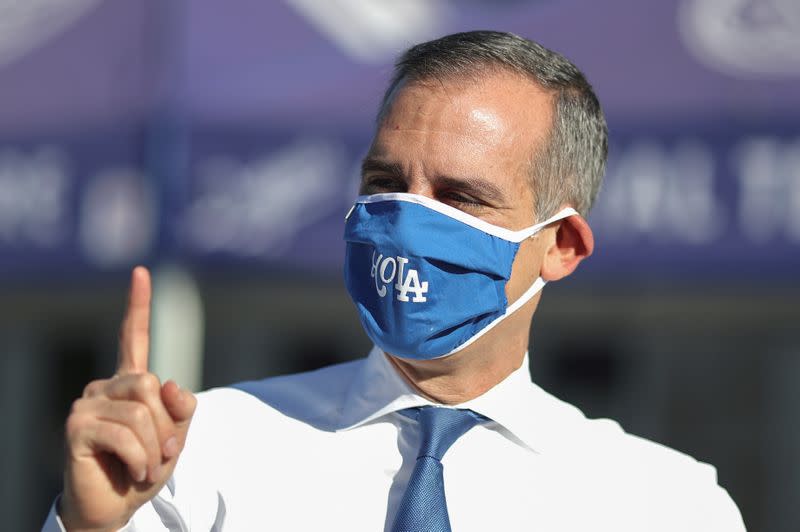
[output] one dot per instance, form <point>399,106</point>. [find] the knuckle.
<point>77,407</point>
<point>84,405</point>
<point>93,388</point>
<point>139,413</point>
<point>75,424</point>
<point>148,384</point>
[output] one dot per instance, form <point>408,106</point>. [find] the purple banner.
<point>229,135</point>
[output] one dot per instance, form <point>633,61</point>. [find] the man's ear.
<point>574,242</point>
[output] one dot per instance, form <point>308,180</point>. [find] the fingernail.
<point>171,447</point>
<point>142,475</point>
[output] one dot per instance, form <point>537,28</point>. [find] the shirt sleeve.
<point>166,512</point>
<point>53,522</point>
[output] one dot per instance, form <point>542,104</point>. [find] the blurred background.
<point>219,144</point>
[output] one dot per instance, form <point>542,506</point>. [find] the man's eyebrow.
<point>370,164</point>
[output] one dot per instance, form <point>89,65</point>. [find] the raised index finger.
<point>134,340</point>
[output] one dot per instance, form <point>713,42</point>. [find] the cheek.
<point>526,268</point>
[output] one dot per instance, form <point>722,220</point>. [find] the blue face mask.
<point>426,278</point>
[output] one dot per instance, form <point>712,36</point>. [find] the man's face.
<point>468,144</point>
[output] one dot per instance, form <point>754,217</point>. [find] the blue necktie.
<point>424,507</point>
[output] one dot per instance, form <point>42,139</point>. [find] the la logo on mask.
<point>387,269</point>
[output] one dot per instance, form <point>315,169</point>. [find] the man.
<point>488,152</point>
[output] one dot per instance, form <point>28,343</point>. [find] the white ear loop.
<point>526,296</point>
<point>566,212</point>
<point>534,289</point>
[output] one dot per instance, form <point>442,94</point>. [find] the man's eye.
<point>462,199</point>
<point>375,185</point>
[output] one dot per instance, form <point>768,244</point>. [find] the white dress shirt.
<point>326,450</point>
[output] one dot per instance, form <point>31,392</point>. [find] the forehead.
<point>497,113</point>
<point>495,102</point>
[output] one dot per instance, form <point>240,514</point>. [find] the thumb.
<point>180,404</point>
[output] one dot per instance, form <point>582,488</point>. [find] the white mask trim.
<point>461,216</point>
<point>534,289</point>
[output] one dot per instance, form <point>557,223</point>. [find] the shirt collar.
<point>518,408</point>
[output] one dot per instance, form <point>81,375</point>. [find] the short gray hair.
<point>570,167</point>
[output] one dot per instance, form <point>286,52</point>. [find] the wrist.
<point>71,520</point>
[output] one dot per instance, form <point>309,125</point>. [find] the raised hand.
<point>125,433</point>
